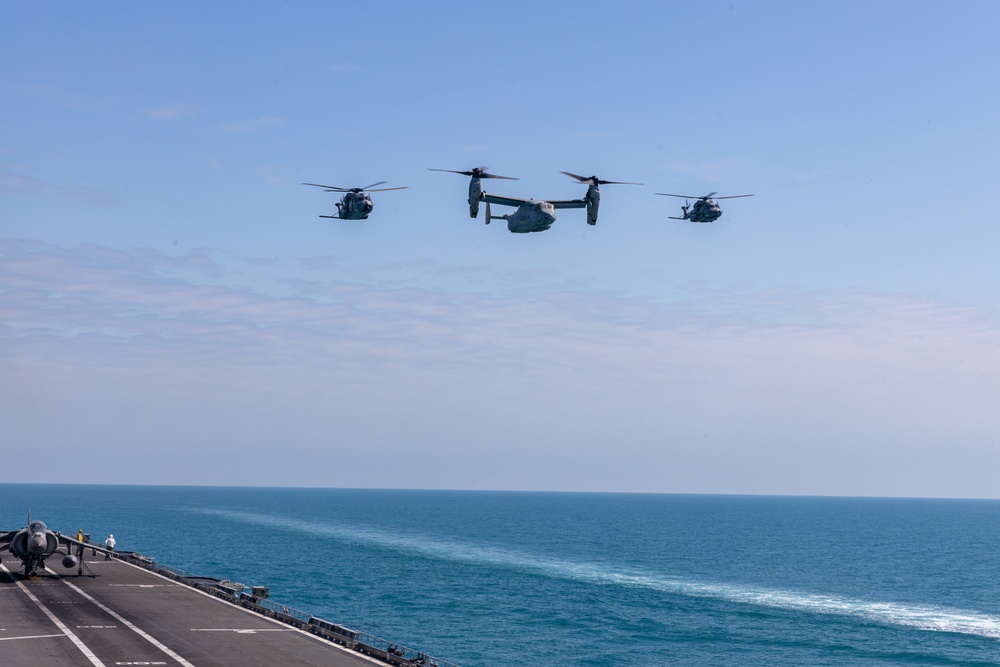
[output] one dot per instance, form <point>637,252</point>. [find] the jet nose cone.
<point>37,543</point>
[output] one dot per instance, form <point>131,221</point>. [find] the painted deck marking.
<point>242,631</point>
<point>131,626</point>
<point>59,624</point>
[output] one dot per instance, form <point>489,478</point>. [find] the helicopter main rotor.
<point>707,197</point>
<point>367,188</point>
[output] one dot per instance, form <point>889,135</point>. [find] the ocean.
<point>500,578</point>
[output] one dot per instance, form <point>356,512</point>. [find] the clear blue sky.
<point>173,310</point>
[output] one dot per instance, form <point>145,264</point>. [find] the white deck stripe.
<point>7,639</point>
<point>59,624</point>
<point>128,624</point>
<point>344,649</point>
<point>243,631</point>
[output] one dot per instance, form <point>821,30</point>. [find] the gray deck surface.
<point>125,615</point>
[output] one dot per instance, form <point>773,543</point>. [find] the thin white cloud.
<point>173,112</point>
<point>89,195</point>
<point>15,183</point>
<point>781,381</point>
<point>274,176</point>
<point>253,125</point>
<point>91,285</point>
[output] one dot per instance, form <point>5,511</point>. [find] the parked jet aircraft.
<point>36,543</point>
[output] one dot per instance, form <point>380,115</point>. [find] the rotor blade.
<point>667,194</point>
<point>594,180</point>
<point>386,189</point>
<point>481,172</point>
<point>478,172</point>
<point>331,188</point>
<point>735,196</point>
<point>369,187</point>
<point>452,171</point>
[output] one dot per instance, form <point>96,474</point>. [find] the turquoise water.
<point>491,578</point>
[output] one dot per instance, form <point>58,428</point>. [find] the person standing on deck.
<point>109,544</point>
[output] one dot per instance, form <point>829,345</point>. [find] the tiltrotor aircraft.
<point>704,210</point>
<point>36,543</point>
<point>355,204</point>
<point>532,215</point>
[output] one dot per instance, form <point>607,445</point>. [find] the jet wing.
<point>69,541</point>
<point>567,203</point>
<point>5,539</point>
<point>503,201</point>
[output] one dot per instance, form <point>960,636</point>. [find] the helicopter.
<point>704,210</point>
<point>532,215</point>
<point>355,204</point>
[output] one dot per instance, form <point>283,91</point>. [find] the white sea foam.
<point>923,617</point>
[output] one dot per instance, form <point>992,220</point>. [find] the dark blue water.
<point>484,578</point>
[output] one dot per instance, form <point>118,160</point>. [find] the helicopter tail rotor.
<point>685,212</point>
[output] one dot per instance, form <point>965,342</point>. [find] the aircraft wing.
<point>5,539</point>
<point>504,201</point>
<point>69,541</point>
<point>567,203</point>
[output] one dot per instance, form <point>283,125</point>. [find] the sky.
<point>173,310</point>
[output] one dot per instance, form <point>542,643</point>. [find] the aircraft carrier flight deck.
<point>129,611</point>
